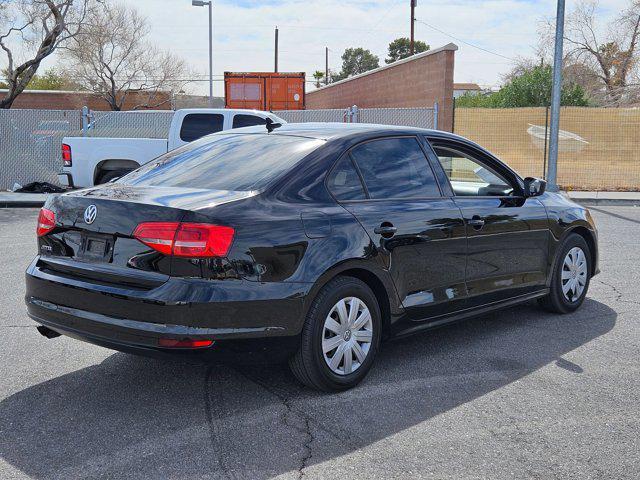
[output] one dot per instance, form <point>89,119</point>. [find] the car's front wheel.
<point>571,276</point>
<point>340,337</point>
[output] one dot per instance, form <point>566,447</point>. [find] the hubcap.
<point>574,274</point>
<point>347,335</point>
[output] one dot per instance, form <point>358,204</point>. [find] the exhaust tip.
<point>47,332</point>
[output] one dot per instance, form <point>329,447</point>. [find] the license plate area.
<point>95,247</point>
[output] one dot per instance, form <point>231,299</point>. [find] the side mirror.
<point>534,187</point>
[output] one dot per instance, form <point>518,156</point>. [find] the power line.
<point>464,41</point>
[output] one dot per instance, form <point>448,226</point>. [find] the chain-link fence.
<point>304,116</point>
<point>410,117</point>
<point>599,148</point>
<point>132,124</point>
<point>30,139</point>
<point>30,144</point>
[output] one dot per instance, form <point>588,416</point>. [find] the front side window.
<point>395,168</point>
<point>241,120</point>
<point>471,177</point>
<point>196,125</point>
<point>239,162</point>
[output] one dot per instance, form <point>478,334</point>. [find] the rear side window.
<point>395,168</point>
<point>242,120</point>
<point>240,162</point>
<point>196,125</point>
<point>344,182</point>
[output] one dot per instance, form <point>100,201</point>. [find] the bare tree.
<point>606,57</point>
<point>30,31</point>
<point>113,58</point>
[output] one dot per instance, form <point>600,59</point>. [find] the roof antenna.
<point>271,125</point>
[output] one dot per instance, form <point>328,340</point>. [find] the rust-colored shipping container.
<point>264,90</point>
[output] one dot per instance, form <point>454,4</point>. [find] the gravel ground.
<point>515,394</point>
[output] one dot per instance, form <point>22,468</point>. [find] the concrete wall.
<point>68,100</point>
<point>418,81</point>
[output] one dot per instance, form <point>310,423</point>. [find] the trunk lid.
<point>93,237</point>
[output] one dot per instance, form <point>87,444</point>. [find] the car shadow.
<point>138,418</point>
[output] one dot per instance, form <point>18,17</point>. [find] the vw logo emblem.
<point>90,214</point>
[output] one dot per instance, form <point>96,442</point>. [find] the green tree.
<point>355,61</point>
<point>50,80</point>
<point>401,48</point>
<point>318,75</point>
<point>531,88</point>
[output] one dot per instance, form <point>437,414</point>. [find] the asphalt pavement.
<point>515,394</point>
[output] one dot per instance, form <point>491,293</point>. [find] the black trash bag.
<point>40,187</point>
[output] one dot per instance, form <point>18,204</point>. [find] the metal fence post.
<point>555,100</point>
<point>85,120</point>
<point>546,142</point>
<point>453,116</point>
<point>355,114</point>
<point>435,115</point>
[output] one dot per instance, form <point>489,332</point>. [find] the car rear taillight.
<point>46,222</point>
<point>196,240</point>
<point>66,155</point>
<point>184,343</point>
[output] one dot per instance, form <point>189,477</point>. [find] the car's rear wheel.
<point>340,337</point>
<point>571,276</point>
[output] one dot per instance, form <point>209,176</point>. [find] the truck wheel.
<point>109,175</point>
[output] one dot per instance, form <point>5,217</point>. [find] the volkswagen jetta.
<point>310,242</point>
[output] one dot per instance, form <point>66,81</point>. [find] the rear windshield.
<point>225,162</point>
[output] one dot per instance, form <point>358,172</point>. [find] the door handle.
<point>387,231</point>
<point>476,222</point>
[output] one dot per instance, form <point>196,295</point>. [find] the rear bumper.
<point>65,179</point>
<point>242,314</point>
<point>143,342</point>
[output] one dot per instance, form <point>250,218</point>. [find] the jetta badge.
<point>90,214</point>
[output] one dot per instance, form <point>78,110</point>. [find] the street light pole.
<point>200,3</point>
<point>413,21</point>
<point>555,100</point>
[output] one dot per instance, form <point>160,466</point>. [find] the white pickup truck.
<point>89,161</point>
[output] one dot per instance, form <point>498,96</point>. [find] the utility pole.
<point>276,60</point>
<point>326,65</point>
<point>555,100</point>
<point>201,3</point>
<point>413,21</point>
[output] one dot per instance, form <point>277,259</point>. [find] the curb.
<point>612,202</point>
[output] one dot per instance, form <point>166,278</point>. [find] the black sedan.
<point>310,242</point>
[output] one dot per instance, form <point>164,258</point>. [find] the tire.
<point>557,301</point>
<point>109,175</point>
<point>310,364</point>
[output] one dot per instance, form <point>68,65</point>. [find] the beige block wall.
<point>599,147</point>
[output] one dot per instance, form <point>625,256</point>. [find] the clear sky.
<point>243,32</point>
